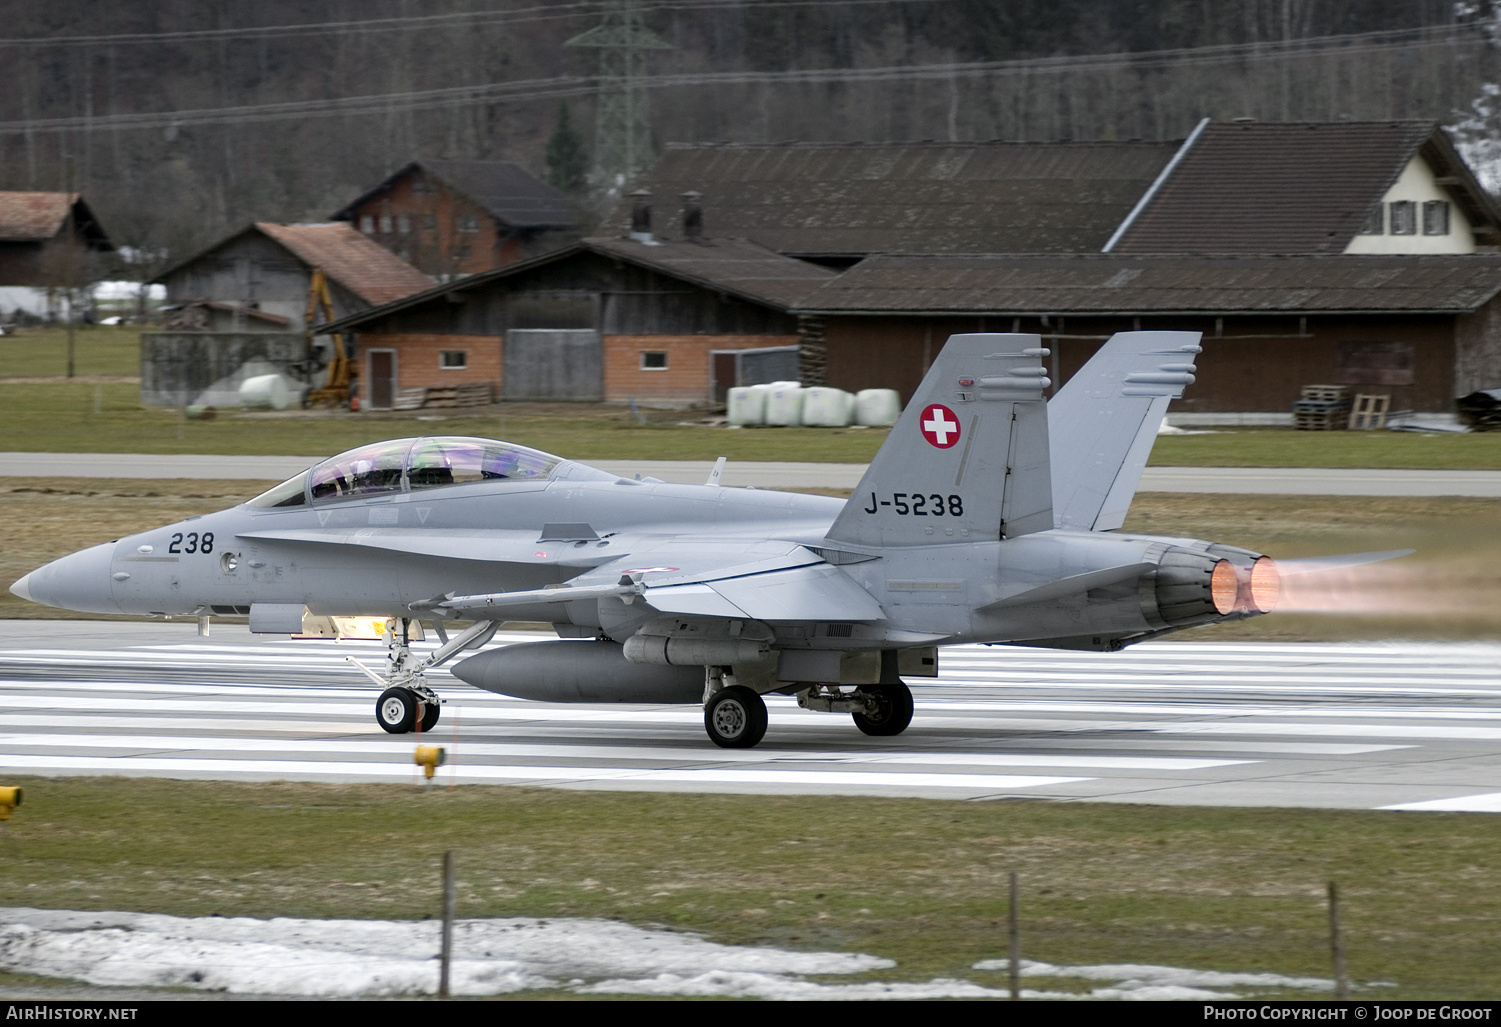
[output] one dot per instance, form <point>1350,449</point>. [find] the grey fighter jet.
<point>989,515</point>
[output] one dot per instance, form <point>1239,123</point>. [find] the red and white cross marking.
<point>939,426</point>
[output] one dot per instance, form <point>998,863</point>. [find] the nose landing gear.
<point>407,695</point>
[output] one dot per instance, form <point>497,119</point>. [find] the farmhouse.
<point>459,217</point>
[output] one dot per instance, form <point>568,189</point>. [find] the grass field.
<point>921,882</point>
<point>1450,589</point>
<point>42,412</point>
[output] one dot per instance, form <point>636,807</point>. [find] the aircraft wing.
<point>777,581</point>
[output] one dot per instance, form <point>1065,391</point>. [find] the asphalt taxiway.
<point>1368,726</point>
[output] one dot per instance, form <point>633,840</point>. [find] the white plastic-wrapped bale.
<point>784,405</point>
<point>747,405</point>
<point>265,392</point>
<point>824,407</point>
<point>877,407</point>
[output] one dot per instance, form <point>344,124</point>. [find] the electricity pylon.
<point>622,115</point>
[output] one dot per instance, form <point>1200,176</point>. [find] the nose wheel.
<point>398,708</point>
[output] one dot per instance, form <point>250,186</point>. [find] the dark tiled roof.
<point>1121,283</point>
<point>731,265</point>
<point>852,199</point>
<point>367,269</point>
<point>1280,188</point>
<point>508,191</point>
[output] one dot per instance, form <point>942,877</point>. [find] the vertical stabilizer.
<point>1104,421</point>
<point>968,459</point>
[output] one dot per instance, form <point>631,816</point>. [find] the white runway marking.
<point>1370,726</point>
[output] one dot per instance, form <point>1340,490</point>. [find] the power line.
<point>569,86</point>
<point>415,22</point>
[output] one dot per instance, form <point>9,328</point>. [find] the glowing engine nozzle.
<point>1265,584</point>
<point>1245,588</point>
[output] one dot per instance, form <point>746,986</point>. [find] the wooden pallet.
<point>1369,411</point>
<point>410,399</point>
<point>1333,419</point>
<point>1326,393</point>
<point>470,394</point>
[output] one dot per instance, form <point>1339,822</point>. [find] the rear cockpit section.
<point>410,465</point>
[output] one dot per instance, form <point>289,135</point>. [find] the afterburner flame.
<point>1404,589</point>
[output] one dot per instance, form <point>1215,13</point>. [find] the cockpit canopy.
<point>407,465</point>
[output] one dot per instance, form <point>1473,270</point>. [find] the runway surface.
<point>1337,726</point>
<point>1260,480</point>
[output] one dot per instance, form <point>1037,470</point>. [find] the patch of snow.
<point>1144,981</point>
<point>346,958</point>
<point>374,958</point>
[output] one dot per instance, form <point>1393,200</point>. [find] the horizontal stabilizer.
<point>1072,585</point>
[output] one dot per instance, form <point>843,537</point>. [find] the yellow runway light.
<point>10,798</point>
<point>429,758</point>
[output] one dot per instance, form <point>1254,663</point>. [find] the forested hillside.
<point>180,119</point>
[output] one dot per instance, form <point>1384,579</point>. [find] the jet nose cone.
<point>78,582</point>
<point>20,589</point>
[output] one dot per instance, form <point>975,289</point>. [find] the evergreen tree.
<point>567,159</point>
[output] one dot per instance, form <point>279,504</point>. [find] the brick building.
<point>450,218</point>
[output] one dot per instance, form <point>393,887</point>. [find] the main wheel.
<point>396,710</point>
<point>429,716</point>
<point>735,717</point>
<point>893,710</point>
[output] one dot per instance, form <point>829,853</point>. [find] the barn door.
<point>555,364</point>
<point>381,390</point>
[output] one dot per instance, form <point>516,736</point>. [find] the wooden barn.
<point>241,306</point>
<point>1420,329</point>
<point>604,319</point>
<point>49,244</point>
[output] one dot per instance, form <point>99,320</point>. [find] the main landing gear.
<point>878,710</point>
<point>407,700</point>
<point>735,716</point>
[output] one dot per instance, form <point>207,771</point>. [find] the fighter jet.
<point>989,515</point>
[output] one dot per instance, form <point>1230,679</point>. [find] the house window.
<point>367,224</point>
<point>1375,221</point>
<point>430,222</point>
<point>422,187</point>
<point>653,360</point>
<point>453,359</point>
<point>403,224</point>
<point>1436,217</point>
<point>385,223</point>
<point>468,223</point>
<point>1404,217</point>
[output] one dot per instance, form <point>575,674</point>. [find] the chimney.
<point>693,217</point>
<point>641,216</point>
